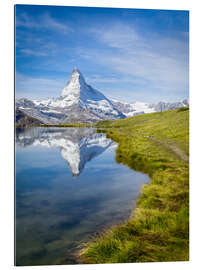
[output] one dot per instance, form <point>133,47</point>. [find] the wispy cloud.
<point>44,21</point>
<point>112,80</point>
<point>31,87</point>
<point>37,36</point>
<point>33,52</point>
<point>38,49</point>
<point>161,61</point>
<point>29,44</point>
<point>118,36</point>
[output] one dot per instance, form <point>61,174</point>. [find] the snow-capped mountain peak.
<point>78,102</point>
<point>78,91</point>
<point>75,83</point>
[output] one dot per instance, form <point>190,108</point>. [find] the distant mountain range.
<point>131,109</point>
<point>79,102</point>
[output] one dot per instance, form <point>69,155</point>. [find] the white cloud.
<point>159,60</point>
<point>112,80</point>
<point>117,36</point>
<point>28,43</point>
<point>45,21</point>
<point>33,52</point>
<point>159,70</point>
<point>31,87</point>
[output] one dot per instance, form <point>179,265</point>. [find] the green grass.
<point>158,230</point>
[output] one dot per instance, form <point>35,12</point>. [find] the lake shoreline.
<point>158,229</point>
<point>68,188</point>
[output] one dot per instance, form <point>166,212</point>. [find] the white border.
<point>6,141</point>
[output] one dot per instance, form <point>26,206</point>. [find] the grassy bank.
<point>158,230</point>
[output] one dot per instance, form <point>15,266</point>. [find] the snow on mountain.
<point>78,92</point>
<point>131,109</point>
<point>79,102</point>
<point>77,145</point>
<point>164,106</point>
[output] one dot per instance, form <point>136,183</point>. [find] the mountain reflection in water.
<point>77,145</point>
<point>54,214</point>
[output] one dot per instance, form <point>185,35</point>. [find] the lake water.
<point>68,188</point>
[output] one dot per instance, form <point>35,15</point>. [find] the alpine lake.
<point>68,189</point>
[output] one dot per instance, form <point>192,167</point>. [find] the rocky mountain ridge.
<point>24,121</point>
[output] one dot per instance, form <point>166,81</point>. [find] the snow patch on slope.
<point>131,109</point>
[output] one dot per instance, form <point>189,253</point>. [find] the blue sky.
<point>128,54</point>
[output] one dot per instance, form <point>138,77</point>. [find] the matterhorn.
<point>78,102</point>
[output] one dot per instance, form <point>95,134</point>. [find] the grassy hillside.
<point>158,230</point>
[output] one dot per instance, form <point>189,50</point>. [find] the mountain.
<point>78,102</point>
<point>77,145</point>
<point>24,121</point>
<point>131,109</point>
<point>165,106</point>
